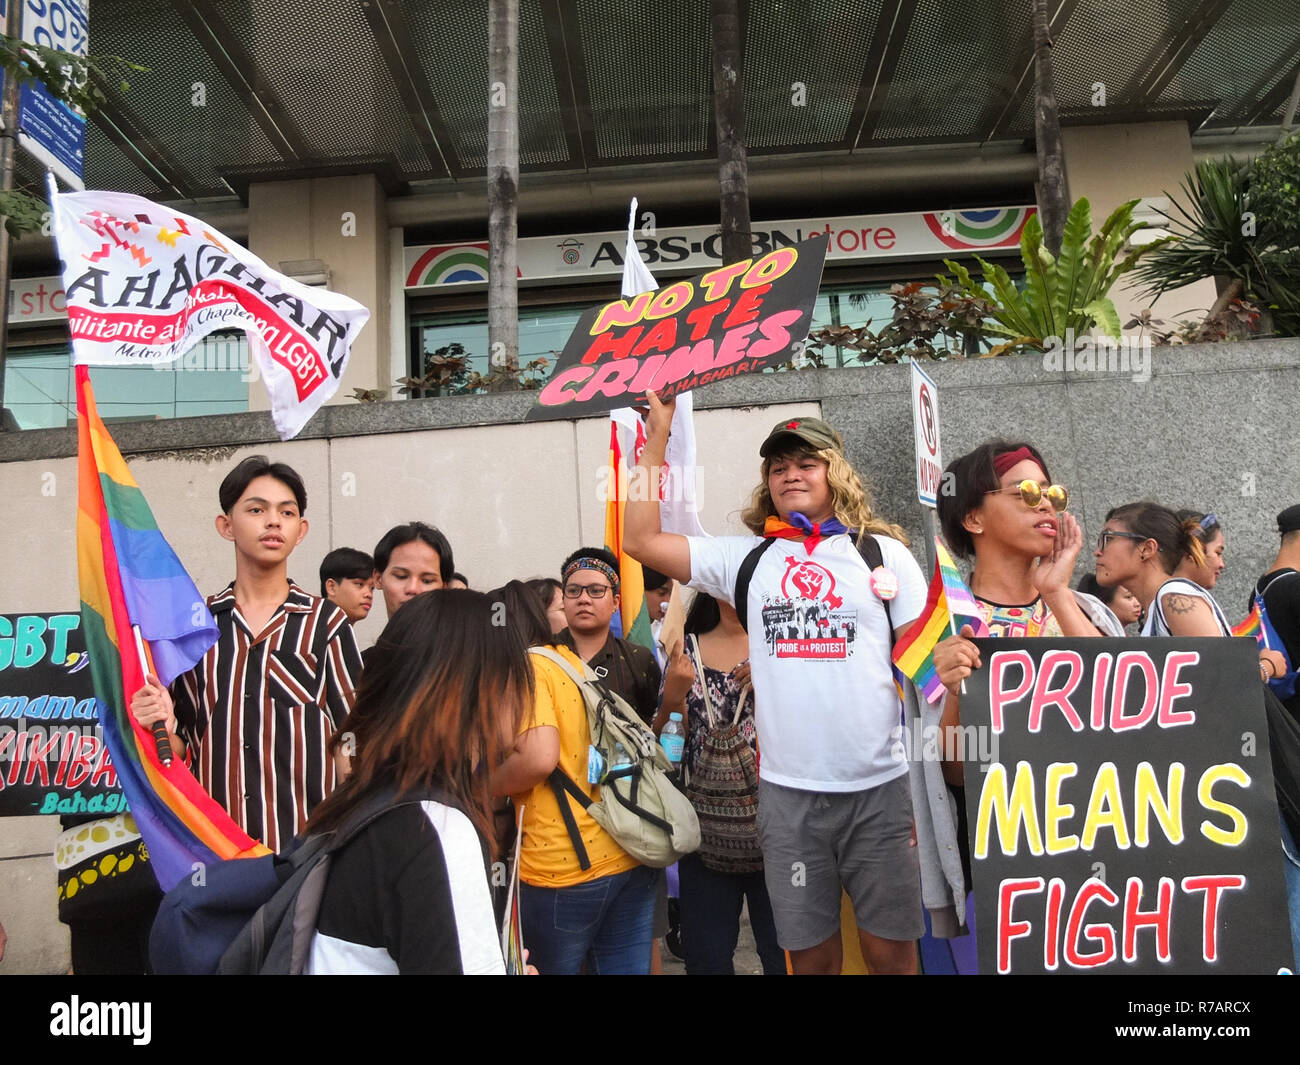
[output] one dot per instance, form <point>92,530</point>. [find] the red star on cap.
<point>792,425</point>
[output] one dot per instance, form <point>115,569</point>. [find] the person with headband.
<point>1209,534</point>
<point>590,588</point>
<point>1007,514</point>
<point>834,790</point>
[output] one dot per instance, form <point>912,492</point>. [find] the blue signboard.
<point>50,130</point>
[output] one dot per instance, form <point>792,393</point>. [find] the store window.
<point>212,378</point>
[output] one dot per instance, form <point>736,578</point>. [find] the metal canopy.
<point>246,90</point>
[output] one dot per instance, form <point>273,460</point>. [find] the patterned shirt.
<point>258,711</point>
<point>1029,619</point>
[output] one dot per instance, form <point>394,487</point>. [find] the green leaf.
<point>1102,311</point>
<point>1070,266</point>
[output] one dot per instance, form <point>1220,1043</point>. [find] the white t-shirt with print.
<point>824,696</point>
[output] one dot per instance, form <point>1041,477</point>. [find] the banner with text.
<point>669,250</point>
<point>1126,821</point>
<point>733,320</point>
<point>144,284</point>
<point>52,754</point>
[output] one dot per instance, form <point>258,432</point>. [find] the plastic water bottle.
<point>673,739</point>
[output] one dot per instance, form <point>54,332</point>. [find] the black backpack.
<point>255,915</point>
<point>868,548</point>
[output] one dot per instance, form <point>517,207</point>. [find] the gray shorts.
<point>815,843</point>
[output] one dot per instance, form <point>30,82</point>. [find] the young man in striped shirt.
<point>255,715</point>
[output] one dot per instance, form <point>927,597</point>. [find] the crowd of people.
<point>470,708</point>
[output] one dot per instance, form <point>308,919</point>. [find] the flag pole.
<point>161,742</point>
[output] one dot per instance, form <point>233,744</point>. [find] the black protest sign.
<point>1126,820</point>
<point>733,320</point>
<point>52,754</point>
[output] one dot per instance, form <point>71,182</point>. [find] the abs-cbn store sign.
<point>929,234</point>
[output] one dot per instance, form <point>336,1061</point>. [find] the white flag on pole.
<point>145,284</point>
<point>679,509</point>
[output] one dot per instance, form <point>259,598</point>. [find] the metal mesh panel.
<point>107,167</point>
<point>451,40</point>
<point>1099,53</point>
<point>803,66</point>
<point>321,59</point>
<point>650,76</point>
<point>951,66</point>
<point>182,99</point>
<point>1251,36</point>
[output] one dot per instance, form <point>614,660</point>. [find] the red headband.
<point>1004,462</point>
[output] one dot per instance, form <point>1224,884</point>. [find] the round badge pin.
<point>884,583</point>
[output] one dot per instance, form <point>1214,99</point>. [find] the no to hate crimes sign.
<point>735,319</point>
<point>1126,822</point>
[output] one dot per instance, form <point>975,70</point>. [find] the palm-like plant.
<point>1221,235</point>
<point>1064,293</point>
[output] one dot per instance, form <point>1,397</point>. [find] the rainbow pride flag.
<point>948,606</point>
<point>129,577</point>
<point>634,614</point>
<point>1252,626</point>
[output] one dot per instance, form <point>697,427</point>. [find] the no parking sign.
<point>925,423</point>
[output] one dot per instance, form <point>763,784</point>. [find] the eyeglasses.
<point>1107,535</point>
<point>596,591</point>
<point>1032,493</point>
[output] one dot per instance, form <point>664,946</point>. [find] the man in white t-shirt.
<point>834,805</point>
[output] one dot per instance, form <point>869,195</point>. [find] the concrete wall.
<point>1213,427</point>
<point>1110,165</point>
<point>341,221</point>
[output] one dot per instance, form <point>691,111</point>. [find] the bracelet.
<point>1269,674</point>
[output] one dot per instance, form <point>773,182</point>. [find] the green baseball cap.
<point>811,431</point>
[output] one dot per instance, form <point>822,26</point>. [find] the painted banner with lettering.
<point>1119,796</point>
<point>52,754</point>
<point>144,284</point>
<point>732,320</point>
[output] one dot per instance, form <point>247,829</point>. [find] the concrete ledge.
<point>397,416</point>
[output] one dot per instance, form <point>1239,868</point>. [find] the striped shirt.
<point>258,711</point>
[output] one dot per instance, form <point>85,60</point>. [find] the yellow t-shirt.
<point>546,855</point>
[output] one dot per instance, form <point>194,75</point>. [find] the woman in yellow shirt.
<point>599,910</point>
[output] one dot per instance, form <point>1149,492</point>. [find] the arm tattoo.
<point>1180,604</point>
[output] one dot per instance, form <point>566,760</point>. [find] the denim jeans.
<point>710,906</point>
<point>1292,865</point>
<point>606,923</point>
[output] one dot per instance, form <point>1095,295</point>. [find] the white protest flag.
<point>145,283</point>
<point>678,509</point>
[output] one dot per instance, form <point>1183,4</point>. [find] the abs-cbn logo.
<point>679,247</point>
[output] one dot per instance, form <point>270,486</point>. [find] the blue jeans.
<point>1292,865</point>
<point>605,922</point>
<point>710,905</point>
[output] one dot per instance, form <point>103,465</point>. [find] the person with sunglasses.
<point>1005,511</point>
<point>1141,547</point>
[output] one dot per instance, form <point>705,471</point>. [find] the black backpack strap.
<point>869,549</point>
<point>563,788</point>
<point>744,577</point>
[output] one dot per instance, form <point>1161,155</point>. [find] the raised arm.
<point>643,536</point>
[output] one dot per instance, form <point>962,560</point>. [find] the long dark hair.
<point>522,610</point>
<point>704,615</point>
<point>443,689</point>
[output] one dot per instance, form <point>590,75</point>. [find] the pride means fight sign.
<point>144,284</point>
<point>1127,822</point>
<point>733,320</point>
